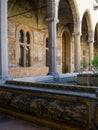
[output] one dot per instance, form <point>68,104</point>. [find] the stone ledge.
<point>87,79</point>
<point>49,108</point>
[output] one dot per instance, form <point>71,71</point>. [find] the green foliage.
<point>95,62</point>
<point>84,64</point>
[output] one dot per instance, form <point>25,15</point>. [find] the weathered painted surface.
<point>59,107</point>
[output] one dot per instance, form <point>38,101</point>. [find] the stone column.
<point>3,40</point>
<point>91,47</point>
<point>52,19</point>
<point>77,37</point>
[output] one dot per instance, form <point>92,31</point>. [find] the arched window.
<point>27,49</point>
<point>47,52</point>
<point>27,38</point>
<point>21,36</point>
<point>21,59</point>
<point>24,41</point>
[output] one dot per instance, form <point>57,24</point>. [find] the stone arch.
<point>75,15</point>
<point>74,8</point>
<point>71,26</point>
<point>25,30</point>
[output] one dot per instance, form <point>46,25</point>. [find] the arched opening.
<point>27,38</point>
<point>65,52</point>
<point>21,59</point>
<point>21,41</point>
<point>84,29</point>
<point>85,38</point>
<point>27,49</point>
<point>84,42</point>
<point>96,41</point>
<point>67,13</point>
<point>21,36</point>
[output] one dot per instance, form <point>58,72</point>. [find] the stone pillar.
<point>77,38</point>
<point>52,19</point>
<point>3,40</point>
<point>91,47</point>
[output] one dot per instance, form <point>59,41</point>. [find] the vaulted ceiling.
<point>26,5</point>
<point>65,15</point>
<point>33,3</point>
<point>39,7</point>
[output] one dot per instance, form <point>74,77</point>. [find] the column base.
<point>3,78</point>
<point>55,75</point>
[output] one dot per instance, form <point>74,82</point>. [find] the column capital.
<point>77,33</point>
<point>90,41</point>
<point>52,8</point>
<point>51,19</point>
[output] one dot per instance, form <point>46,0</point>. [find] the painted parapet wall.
<point>74,109</point>
<point>88,79</point>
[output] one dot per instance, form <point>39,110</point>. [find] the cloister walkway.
<point>10,123</point>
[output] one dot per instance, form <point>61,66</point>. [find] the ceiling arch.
<point>74,8</point>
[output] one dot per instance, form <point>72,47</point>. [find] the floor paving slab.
<point>10,123</point>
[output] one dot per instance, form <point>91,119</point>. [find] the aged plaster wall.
<point>35,23</point>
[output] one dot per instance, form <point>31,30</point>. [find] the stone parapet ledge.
<point>88,79</point>
<point>51,105</point>
<point>52,86</point>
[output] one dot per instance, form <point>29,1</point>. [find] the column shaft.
<point>52,48</point>
<point>3,39</point>
<point>77,36</point>
<point>91,52</point>
<point>77,52</point>
<point>52,19</point>
<point>91,47</point>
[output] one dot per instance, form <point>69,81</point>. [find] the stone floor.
<point>10,123</point>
